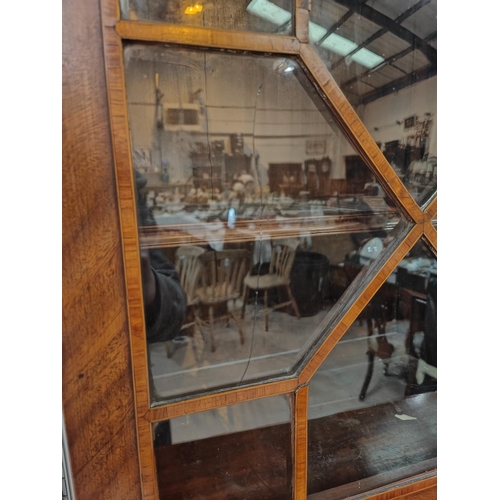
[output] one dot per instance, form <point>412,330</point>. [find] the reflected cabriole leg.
<point>370,354</point>
<point>368,377</point>
<point>245,299</point>
<point>294,304</point>
<point>212,334</point>
<point>266,312</point>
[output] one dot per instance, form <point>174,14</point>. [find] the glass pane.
<point>243,15</point>
<point>383,55</point>
<point>242,451</point>
<point>246,185</point>
<point>372,403</point>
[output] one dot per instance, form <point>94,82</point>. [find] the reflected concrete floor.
<point>334,388</point>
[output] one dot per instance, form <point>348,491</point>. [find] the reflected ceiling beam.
<point>392,26</point>
<point>390,60</point>
<point>415,77</point>
<point>338,24</point>
<point>405,15</point>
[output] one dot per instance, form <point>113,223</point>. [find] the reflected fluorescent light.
<point>269,12</point>
<point>334,43</point>
<point>367,58</point>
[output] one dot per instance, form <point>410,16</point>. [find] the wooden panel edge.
<point>207,37</point>
<point>127,213</point>
<point>221,399</point>
<point>302,8</point>
<point>148,463</point>
<point>402,491</point>
<point>360,303</point>
<point>357,133</point>
<point>300,443</point>
<point>430,234</point>
<point>115,82</point>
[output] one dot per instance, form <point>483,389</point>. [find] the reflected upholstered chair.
<point>282,259</point>
<point>221,279</point>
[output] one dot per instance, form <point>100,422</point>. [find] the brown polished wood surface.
<point>351,446</point>
<point>250,465</point>
<point>369,446</point>
<point>98,395</point>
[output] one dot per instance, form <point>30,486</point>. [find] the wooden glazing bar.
<point>300,443</point>
<point>110,12</point>
<point>408,490</point>
<point>430,235</point>
<point>218,400</point>
<point>207,37</point>
<point>355,130</point>
<point>128,217</point>
<point>360,303</point>
<point>147,459</point>
<point>302,8</point>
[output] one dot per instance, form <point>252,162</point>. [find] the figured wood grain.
<point>115,78</point>
<point>384,486</point>
<point>302,8</point>
<point>113,58</point>
<point>220,399</point>
<point>358,135</point>
<point>97,386</point>
<point>357,297</point>
<point>300,443</point>
<point>207,37</point>
<point>417,489</point>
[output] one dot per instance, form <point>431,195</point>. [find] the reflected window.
<point>383,55</point>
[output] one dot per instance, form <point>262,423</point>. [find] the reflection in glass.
<point>372,403</point>
<point>239,451</point>
<point>247,187</point>
<point>383,55</point>
<point>244,15</point>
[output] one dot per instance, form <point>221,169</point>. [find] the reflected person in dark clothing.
<point>164,299</point>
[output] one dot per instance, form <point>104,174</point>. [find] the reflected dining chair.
<point>282,259</point>
<point>188,268</point>
<point>221,279</point>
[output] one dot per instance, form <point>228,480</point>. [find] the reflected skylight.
<point>335,43</point>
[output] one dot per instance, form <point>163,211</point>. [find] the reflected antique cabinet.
<point>257,144</point>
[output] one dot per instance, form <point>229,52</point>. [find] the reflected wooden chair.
<point>221,279</point>
<point>282,259</point>
<point>188,268</point>
<point>378,311</point>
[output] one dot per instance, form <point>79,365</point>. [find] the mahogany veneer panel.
<point>98,397</point>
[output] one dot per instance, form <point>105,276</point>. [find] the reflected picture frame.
<point>410,122</point>
<point>315,147</point>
